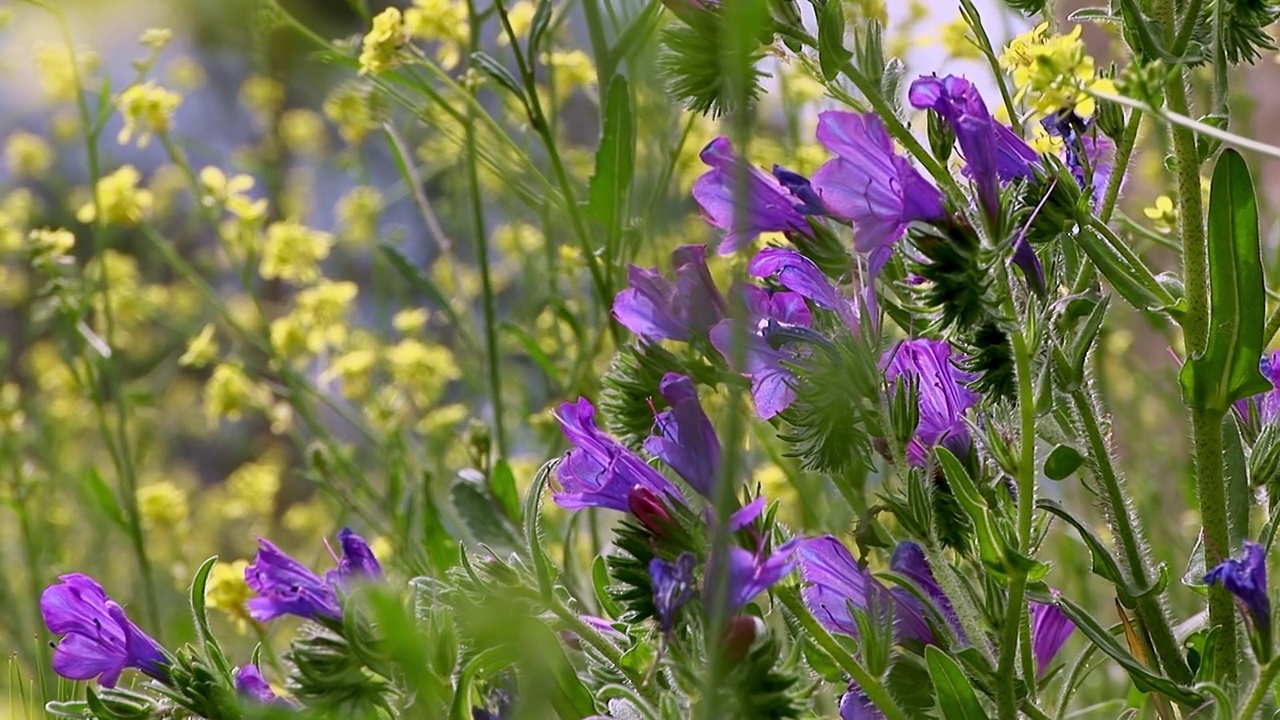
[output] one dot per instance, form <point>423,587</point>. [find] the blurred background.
<point>161,402</point>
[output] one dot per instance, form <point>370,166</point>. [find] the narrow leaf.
<point>502,483</point>
<point>615,158</point>
<point>956,696</point>
<point>832,54</point>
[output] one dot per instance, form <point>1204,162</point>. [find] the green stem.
<point>1206,438</point>
<point>610,651</point>
<point>482,256</point>
<point>1149,610</point>
<point>1259,691</point>
<point>1124,151</point>
<point>868,683</point>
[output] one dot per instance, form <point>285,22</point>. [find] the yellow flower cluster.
<point>422,370</point>
<point>263,96</point>
<point>122,201</point>
<point>442,21</point>
<point>318,320</point>
<point>63,73</point>
<point>27,155</point>
<point>230,392</point>
<point>147,109</point>
<point>358,215</point>
<point>51,244</point>
<point>228,592</point>
<point>958,40</point>
<point>350,107</point>
<point>303,132</point>
<point>252,488</point>
<point>163,504</point>
<point>231,193</point>
<point>292,252</point>
<point>570,69</point>
<point>202,350</point>
<point>1053,72</point>
<point>16,210</point>
<point>380,48</point>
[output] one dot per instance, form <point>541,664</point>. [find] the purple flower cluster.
<point>287,587</point>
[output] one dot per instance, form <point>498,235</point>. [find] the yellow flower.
<point>354,370</point>
<point>520,15</point>
<point>230,392</point>
<point>27,155</point>
<point>350,107</point>
<point>263,96</point>
<point>228,592</point>
<point>443,21</point>
<point>303,132</point>
<point>122,201</point>
<point>410,322</point>
<point>162,504</point>
<point>147,109</point>
<point>420,369</point>
<point>1043,142</point>
<point>12,417</point>
<point>186,73</point>
<point>380,48</point>
<point>570,69</point>
<point>517,239</point>
<point>156,38</point>
<point>1054,73</point>
<point>62,73</point>
<point>231,193</point>
<point>358,215</point>
<point>52,244</point>
<point>958,41</point>
<point>202,351</point>
<point>293,252</point>
<point>252,488</point>
<point>1162,213</point>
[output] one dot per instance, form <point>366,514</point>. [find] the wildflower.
<point>685,439</point>
<point>598,471</point>
<point>63,72</point>
<point>52,244</point>
<point>769,206</point>
<point>27,155</point>
<point>230,391</point>
<point>186,73</point>
<point>1246,578</point>
<point>350,108</point>
<point>800,275</point>
<point>958,41</point>
<point>121,200</point>
<point>357,562</point>
<point>162,504</point>
<point>657,309</point>
<point>1050,629</point>
<point>751,573</point>
<point>147,110</point>
<point>263,96</point>
<point>410,321</point>
<point>834,582</point>
<point>381,45</point>
<point>1162,213</point>
<point>202,350</point>
<point>354,369</point>
<point>99,640</point>
<point>292,252</point>
<point>228,592</point>
<point>303,131</point>
<point>424,370</point>
<point>855,705</point>
<point>231,193</point>
<point>1265,407</point>
<point>649,510</point>
<point>771,388</point>
<point>155,39</point>
<point>992,151</point>
<point>944,399</point>
<point>870,185</point>
<point>909,561</point>
<point>358,214</point>
<point>251,685</point>
<point>443,21</point>
<point>1055,72</point>
<point>253,487</point>
<point>672,586</point>
<point>286,587</point>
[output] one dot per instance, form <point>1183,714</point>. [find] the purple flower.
<point>855,705</point>
<point>250,684</point>
<point>598,471</point>
<point>992,152</point>
<point>654,308</point>
<point>686,441</point>
<point>1050,629</point>
<point>800,275</point>
<point>672,586</point>
<point>287,587</point>
<point>1246,578</point>
<point>870,185</point>
<point>800,186</point>
<point>358,561</point>
<point>944,399</point>
<point>770,207</point>
<point>771,388</point>
<point>833,582</point>
<point>99,640</point>
<point>909,561</point>
<point>1266,405</point>
<point>751,573</point>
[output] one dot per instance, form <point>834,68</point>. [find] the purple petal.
<point>769,206</point>
<point>943,400</point>
<point>646,309</point>
<point>686,440</point>
<point>800,275</point>
<point>1050,629</point>
<point>79,657</point>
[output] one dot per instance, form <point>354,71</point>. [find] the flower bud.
<point>941,137</point>
<point>649,510</point>
<point>740,635</point>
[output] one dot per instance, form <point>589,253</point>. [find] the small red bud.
<point>649,510</point>
<point>739,635</point>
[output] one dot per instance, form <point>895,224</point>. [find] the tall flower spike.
<point>833,581</point>
<point>771,381</point>
<point>770,207</point>
<point>1050,629</point>
<point>1246,578</point>
<point>685,439</point>
<point>598,471</point>
<point>657,309</point>
<point>870,185</point>
<point>99,640</point>
<point>287,587</point>
<point>944,399</point>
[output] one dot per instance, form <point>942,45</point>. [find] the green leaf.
<point>1143,678</point>
<point>615,159</point>
<point>991,547</point>
<point>832,54</point>
<point>500,73</point>
<point>535,353</point>
<point>200,616</point>
<point>1104,565</point>
<point>1135,282</point>
<point>537,28</point>
<point>480,514</point>
<point>105,498</point>
<point>600,582</point>
<point>956,696</point>
<point>502,483</point>
<point>1062,461</point>
<point>1227,368</point>
<point>1093,14</point>
<point>532,531</point>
